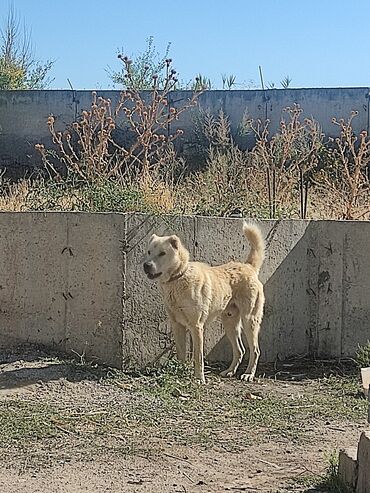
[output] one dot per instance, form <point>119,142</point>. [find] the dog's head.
<point>166,257</point>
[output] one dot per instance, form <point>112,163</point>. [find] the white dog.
<point>195,294</point>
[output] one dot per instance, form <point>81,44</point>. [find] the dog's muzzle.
<point>148,269</point>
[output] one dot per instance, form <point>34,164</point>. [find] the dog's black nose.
<point>147,267</point>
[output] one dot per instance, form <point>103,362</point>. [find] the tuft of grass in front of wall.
<point>363,355</point>
<point>329,482</point>
<point>23,421</point>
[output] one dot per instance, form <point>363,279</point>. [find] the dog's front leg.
<point>179,334</point>
<point>197,338</point>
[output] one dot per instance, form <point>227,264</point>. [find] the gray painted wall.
<point>74,281</point>
<point>23,114</point>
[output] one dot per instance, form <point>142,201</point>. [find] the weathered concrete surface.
<point>322,104</point>
<point>61,281</point>
<point>365,377</point>
<point>94,285</point>
<point>23,115</point>
<point>363,459</point>
<point>354,465</point>
<point>348,467</point>
<point>32,273</point>
<point>75,281</point>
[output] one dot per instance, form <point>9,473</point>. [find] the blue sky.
<point>318,43</point>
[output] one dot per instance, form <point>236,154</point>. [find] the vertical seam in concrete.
<point>76,103</point>
<point>344,260</point>
<point>315,316</point>
<point>318,306</point>
<point>195,229</point>
<point>308,283</point>
<point>368,110</point>
<point>124,287</point>
<point>66,286</point>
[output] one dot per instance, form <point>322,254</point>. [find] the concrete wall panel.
<point>95,286</point>
<point>356,286</point>
<point>32,277</point>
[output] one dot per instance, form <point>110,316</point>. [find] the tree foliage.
<point>18,67</point>
<point>142,69</point>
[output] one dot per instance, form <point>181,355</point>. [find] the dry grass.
<point>14,196</point>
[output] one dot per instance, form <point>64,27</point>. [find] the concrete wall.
<point>75,281</point>
<point>61,281</point>
<point>23,115</point>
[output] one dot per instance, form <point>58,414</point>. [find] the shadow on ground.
<point>28,364</point>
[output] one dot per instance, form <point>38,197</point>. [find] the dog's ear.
<point>174,242</point>
<point>153,237</point>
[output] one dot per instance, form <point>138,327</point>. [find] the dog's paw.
<point>200,380</point>
<point>227,374</point>
<point>247,377</point>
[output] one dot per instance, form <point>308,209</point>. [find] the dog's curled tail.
<point>257,244</point>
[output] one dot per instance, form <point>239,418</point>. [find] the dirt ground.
<point>70,427</point>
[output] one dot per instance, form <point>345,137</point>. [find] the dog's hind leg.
<point>231,323</point>
<point>251,325</point>
<point>251,328</point>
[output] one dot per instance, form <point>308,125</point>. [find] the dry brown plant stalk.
<point>348,181</point>
<point>90,149</point>
<point>288,155</point>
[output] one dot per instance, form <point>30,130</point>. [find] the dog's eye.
<point>148,252</point>
<point>161,254</point>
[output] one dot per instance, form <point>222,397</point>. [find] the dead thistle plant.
<point>289,154</point>
<point>228,182</point>
<point>347,179</point>
<point>89,147</point>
